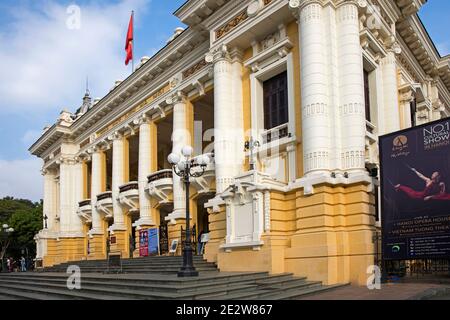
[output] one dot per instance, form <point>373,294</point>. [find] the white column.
<point>238,111</point>
<point>180,138</point>
<point>224,128</point>
<point>97,182</point>
<point>316,123</point>
<point>65,198</point>
<point>145,165</point>
<point>78,177</point>
<point>406,97</point>
<point>390,93</point>
<point>118,179</point>
<point>50,202</point>
<point>351,88</point>
<point>70,194</point>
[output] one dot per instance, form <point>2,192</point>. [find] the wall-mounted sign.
<point>415,187</point>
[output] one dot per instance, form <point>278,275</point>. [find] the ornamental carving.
<point>194,69</point>
<point>237,20</point>
<point>230,25</point>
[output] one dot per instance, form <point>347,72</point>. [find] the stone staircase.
<point>155,264</point>
<point>209,285</point>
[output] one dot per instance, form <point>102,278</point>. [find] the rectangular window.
<point>275,101</point>
<point>413,109</point>
<point>367,94</point>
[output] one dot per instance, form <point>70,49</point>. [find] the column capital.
<point>218,54</point>
<point>177,97</point>
<point>142,119</point>
<point>115,136</point>
<point>301,4</point>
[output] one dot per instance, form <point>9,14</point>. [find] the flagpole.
<point>132,45</point>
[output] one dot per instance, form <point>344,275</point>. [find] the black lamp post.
<point>5,231</point>
<point>251,145</point>
<point>183,168</point>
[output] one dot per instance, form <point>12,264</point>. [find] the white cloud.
<point>21,179</point>
<point>44,62</point>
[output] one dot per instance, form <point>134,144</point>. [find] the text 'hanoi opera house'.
<point>311,84</point>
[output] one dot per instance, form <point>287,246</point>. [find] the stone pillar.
<point>97,186</point>
<point>145,168</point>
<point>351,88</point>
<point>68,200</point>
<point>71,234</point>
<point>238,110</point>
<point>391,113</point>
<point>50,202</point>
<point>437,105</point>
<point>120,173</point>
<point>180,138</point>
<point>224,117</point>
<point>316,123</point>
<point>406,97</point>
<point>119,177</point>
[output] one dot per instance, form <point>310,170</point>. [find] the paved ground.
<point>391,291</point>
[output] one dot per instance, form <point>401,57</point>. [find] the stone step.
<point>17,294</point>
<point>292,294</point>
<point>141,265</point>
<point>125,283</point>
<point>95,291</point>
<point>213,277</point>
<point>53,294</point>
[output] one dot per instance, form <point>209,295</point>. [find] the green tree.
<point>26,219</point>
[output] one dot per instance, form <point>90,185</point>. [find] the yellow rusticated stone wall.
<point>217,233</point>
<point>97,244</point>
<point>334,238</point>
<point>51,258</point>
<point>270,256</point>
<point>121,244</point>
<point>174,232</point>
<point>326,236</point>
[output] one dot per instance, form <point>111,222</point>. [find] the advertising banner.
<point>415,192</point>
<point>143,243</point>
<point>153,243</point>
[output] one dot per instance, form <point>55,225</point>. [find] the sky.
<point>46,53</point>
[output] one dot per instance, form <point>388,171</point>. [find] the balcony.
<point>129,196</point>
<point>276,133</point>
<point>105,204</point>
<point>160,185</point>
<point>85,210</point>
<point>204,184</point>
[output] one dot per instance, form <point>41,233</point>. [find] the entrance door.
<point>164,230</point>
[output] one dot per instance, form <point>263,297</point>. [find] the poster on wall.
<point>143,243</point>
<point>153,243</point>
<point>415,192</point>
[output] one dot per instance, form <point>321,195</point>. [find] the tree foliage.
<point>25,217</point>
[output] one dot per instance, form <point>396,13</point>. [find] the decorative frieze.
<point>194,69</point>
<point>250,11</point>
<point>230,25</point>
<point>155,95</point>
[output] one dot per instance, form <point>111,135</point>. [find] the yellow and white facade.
<point>352,70</point>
